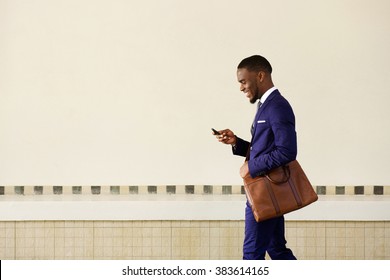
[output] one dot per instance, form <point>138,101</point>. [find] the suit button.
<point>251,148</point>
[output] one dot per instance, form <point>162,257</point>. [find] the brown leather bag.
<point>282,190</point>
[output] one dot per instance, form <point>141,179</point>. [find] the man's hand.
<point>244,170</point>
<point>226,136</point>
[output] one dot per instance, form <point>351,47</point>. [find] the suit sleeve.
<point>241,147</point>
<point>284,147</point>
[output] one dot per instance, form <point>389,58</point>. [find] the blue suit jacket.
<point>274,140</point>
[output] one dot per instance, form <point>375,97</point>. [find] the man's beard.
<point>255,97</point>
<point>253,100</point>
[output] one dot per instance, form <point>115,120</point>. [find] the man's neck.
<point>267,93</point>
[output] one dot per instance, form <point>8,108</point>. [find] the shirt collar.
<point>266,94</point>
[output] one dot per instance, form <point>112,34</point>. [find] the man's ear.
<point>261,76</point>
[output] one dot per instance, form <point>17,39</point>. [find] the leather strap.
<point>286,171</point>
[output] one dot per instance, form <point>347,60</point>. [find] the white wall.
<point>125,92</point>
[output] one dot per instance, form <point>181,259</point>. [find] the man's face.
<point>249,84</point>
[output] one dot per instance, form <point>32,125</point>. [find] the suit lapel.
<point>267,101</point>
<point>262,108</point>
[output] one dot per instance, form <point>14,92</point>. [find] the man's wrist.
<point>235,142</point>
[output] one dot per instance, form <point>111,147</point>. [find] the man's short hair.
<point>255,63</point>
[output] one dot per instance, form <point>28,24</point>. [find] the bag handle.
<point>287,173</point>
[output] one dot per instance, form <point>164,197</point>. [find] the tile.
<point>189,189</point>
<point>378,190</point>
<point>320,253</point>
<point>95,190</point>
<point>379,233</point>
<point>166,232</point>
<point>321,190</point>
<point>166,224</point>
<point>108,252</point>
<point>117,252</point>
<point>359,190</point>
<point>156,242</point>
<point>19,190</point>
<point>369,250</point>
<point>59,224</point>
<point>146,232</point>
<point>310,242</point>
<point>387,232</point>
<point>350,190</point>
<point>166,241</point>
<point>152,189</point>
<point>340,190</point>
<point>185,224</point>
<point>214,232</point>
<point>226,189</point>
<point>146,251</point>
<point>340,232</point>
<point>133,189</point>
<point>214,241</point>
<point>77,190</point>
<point>214,253</point>
<point>115,190</point>
<point>310,252</point>
<point>57,190</point>
<point>369,232</point>
<point>147,241</point>
<point>379,224</point>
<point>208,189</point>
<point>156,252</point>
<point>340,242</point>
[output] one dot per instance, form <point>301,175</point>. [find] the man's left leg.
<point>277,249</point>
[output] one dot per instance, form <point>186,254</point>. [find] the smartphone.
<point>215,132</point>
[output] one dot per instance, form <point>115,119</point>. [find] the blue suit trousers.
<point>267,236</point>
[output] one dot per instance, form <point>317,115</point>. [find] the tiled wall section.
<point>184,240</point>
<point>176,189</point>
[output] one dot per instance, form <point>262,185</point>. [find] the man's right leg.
<point>277,249</point>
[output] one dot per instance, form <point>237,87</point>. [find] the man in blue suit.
<point>273,144</point>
